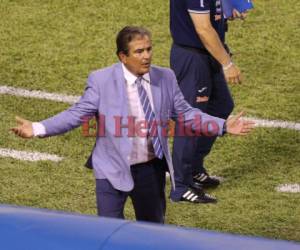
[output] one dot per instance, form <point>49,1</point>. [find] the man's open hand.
<point>236,126</point>
<point>233,74</point>
<point>24,128</point>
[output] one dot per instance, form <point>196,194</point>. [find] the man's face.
<point>139,56</point>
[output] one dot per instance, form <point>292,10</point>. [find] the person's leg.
<point>148,194</point>
<point>181,158</point>
<point>110,201</point>
<point>193,74</point>
<point>220,104</point>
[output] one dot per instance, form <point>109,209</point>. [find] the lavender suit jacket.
<point>106,94</point>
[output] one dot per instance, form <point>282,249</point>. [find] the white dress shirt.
<point>142,148</point>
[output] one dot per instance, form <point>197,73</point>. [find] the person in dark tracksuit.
<point>203,67</point>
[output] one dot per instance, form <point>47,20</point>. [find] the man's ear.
<point>122,57</point>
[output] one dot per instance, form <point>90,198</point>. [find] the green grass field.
<point>53,45</point>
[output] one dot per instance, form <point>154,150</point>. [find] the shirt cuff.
<point>39,129</point>
<point>220,126</point>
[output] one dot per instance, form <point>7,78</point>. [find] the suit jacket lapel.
<point>156,89</point>
<point>120,88</point>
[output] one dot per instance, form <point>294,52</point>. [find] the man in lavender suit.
<point>126,165</point>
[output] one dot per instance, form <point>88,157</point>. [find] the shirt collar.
<point>131,78</point>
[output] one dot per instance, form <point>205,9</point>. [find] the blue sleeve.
<point>198,6</point>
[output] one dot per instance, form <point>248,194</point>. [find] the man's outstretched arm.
<point>67,120</point>
<point>234,125</point>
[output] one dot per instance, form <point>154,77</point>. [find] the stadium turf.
<point>53,45</point>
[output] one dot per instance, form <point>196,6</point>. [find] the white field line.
<point>274,123</point>
<point>72,99</point>
<point>28,156</point>
<point>289,188</point>
<point>38,94</point>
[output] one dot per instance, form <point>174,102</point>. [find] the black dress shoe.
<point>197,196</point>
<point>206,181</point>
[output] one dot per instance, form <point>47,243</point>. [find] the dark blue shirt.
<point>182,27</point>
